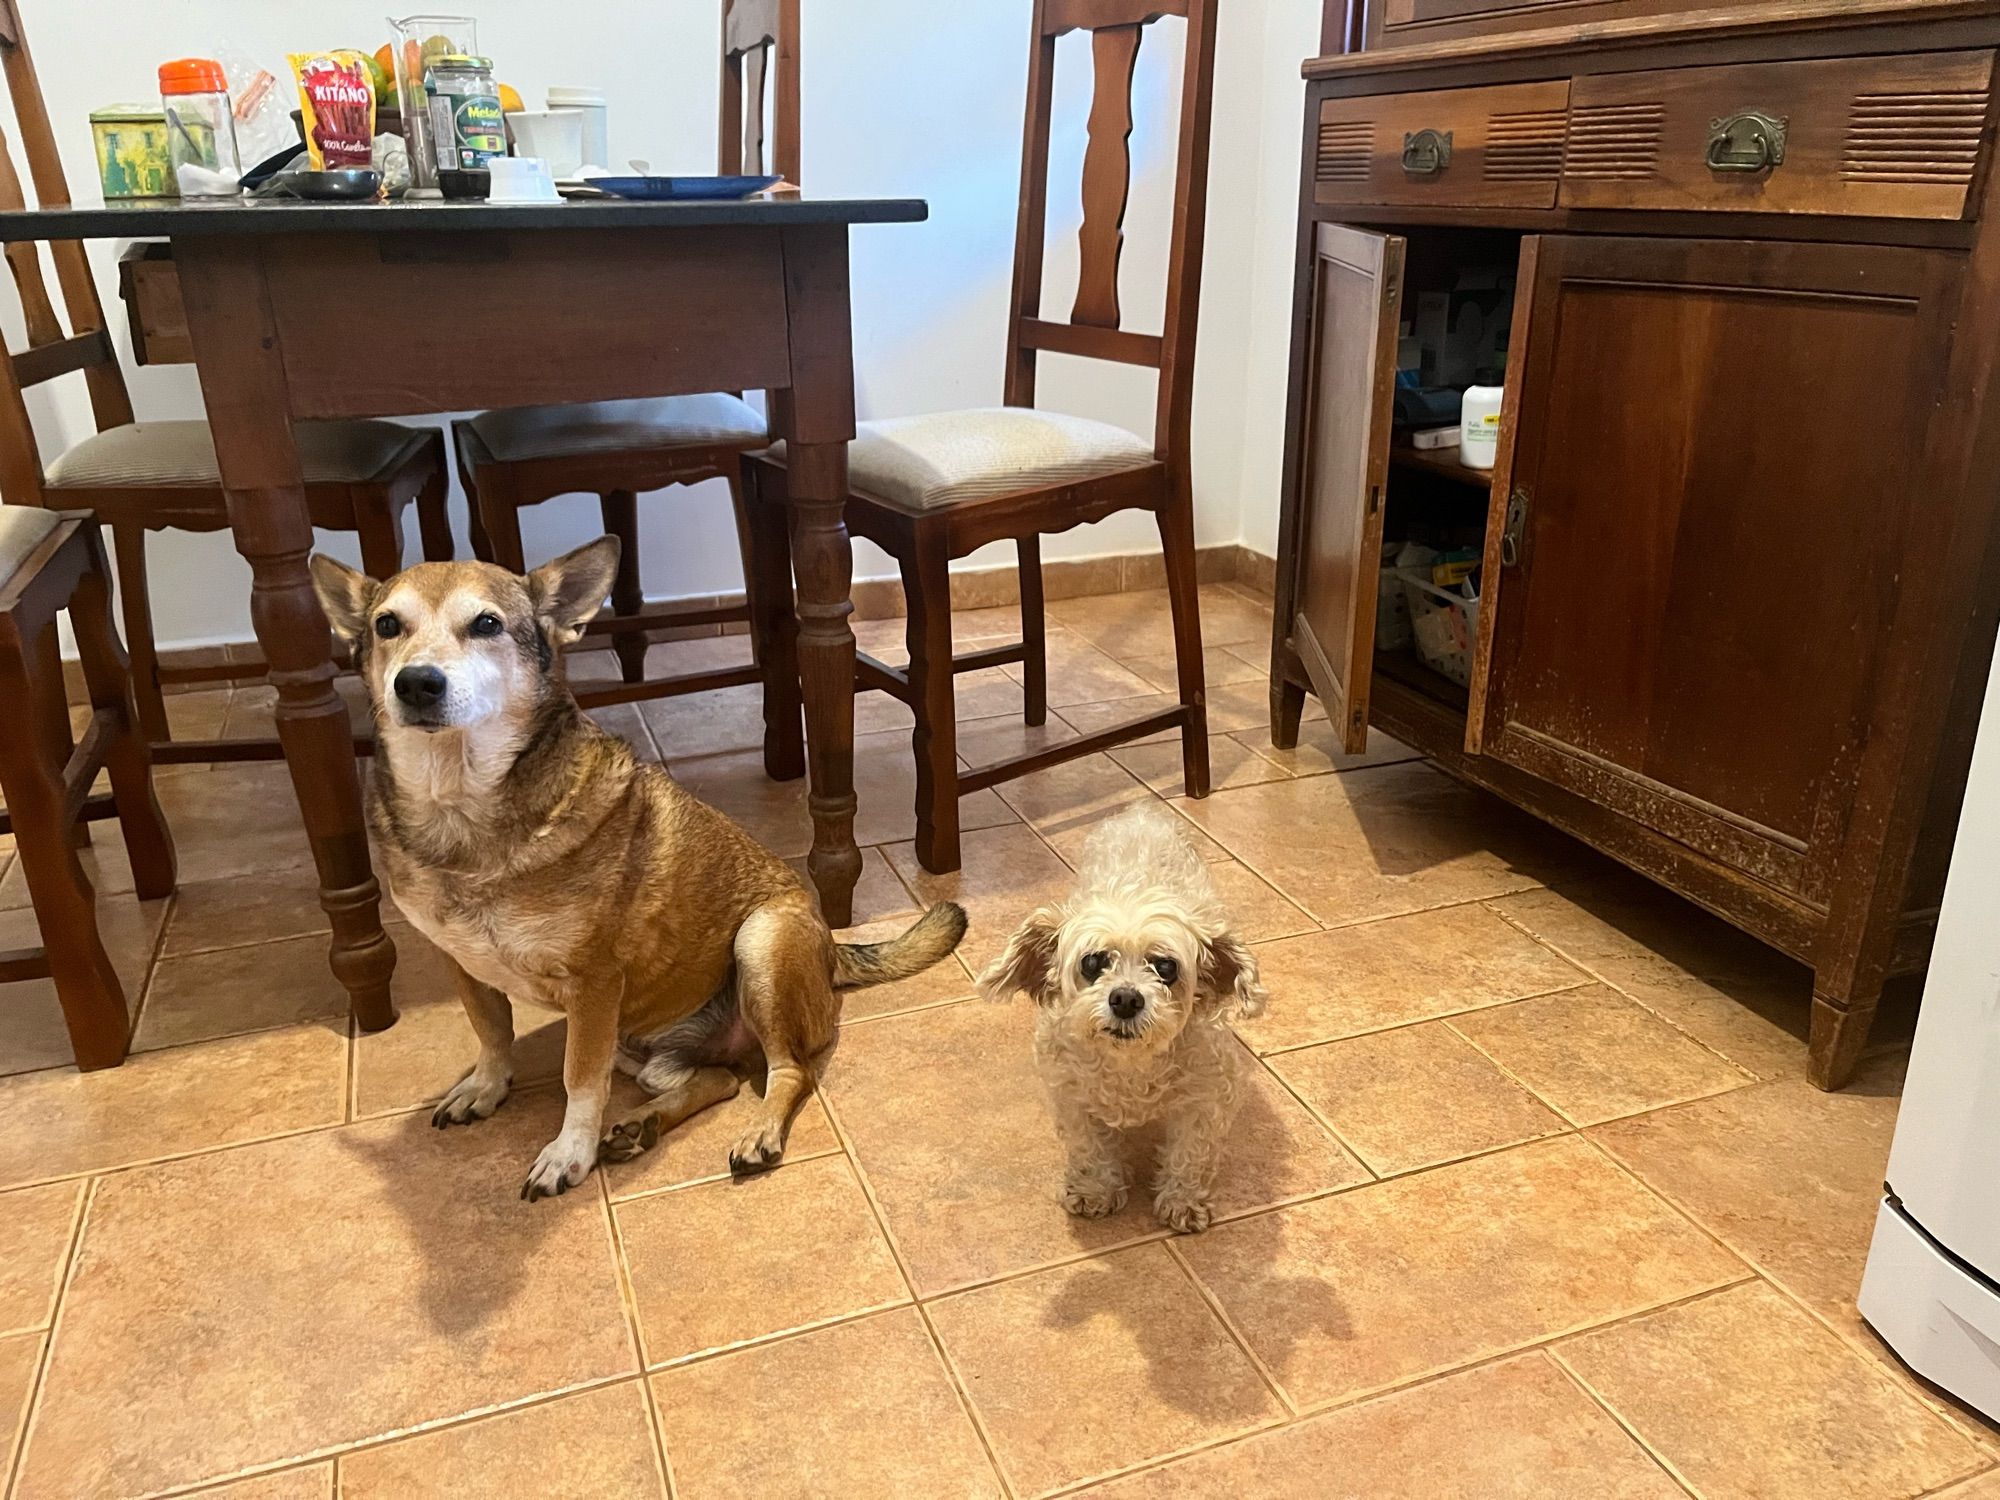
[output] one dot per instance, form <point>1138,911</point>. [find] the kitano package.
<point>337,104</point>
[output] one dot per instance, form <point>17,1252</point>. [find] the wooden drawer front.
<point>1886,137</point>
<point>1505,147</point>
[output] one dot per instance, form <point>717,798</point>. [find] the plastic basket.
<point>1445,625</point>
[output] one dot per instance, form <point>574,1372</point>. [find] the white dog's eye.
<point>1093,964</point>
<point>1165,967</point>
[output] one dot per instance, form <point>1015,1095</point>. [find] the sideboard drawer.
<point>1881,137</point>
<point>1499,147</point>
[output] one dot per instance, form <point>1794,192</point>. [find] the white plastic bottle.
<point>1479,427</point>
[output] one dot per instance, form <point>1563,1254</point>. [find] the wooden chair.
<point>150,476</point>
<point>618,450</point>
<point>932,488</point>
<point>49,562</point>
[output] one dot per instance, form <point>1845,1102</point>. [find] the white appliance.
<point>1932,1288</point>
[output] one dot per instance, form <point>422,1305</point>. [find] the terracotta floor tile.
<point>1065,803</point>
<point>248,909</point>
<point>1142,623</point>
<point>1093,718</point>
<point>237,820</point>
<point>1747,1396</point>
<point>1079,672</point>
<point>1319,749</point>
<point>861,1411</point>
<point>19,1357</point>
<point>1414,1097</point>
<point>1785,1174</point>
<point>1230,764</point>
<point>1006,873</point>
<point>250,708</point>
<point>802,1248</point>
<point>104,865</point>
<point>1258,913</point>
<point>879,893</point>
<point>593,1446</point>
<point>341,1285</point>
<point>35,1228</point>
<point>60,1122</point>
<point>234,990</point>
<point>1517,1430</point>
<point>943,981</point>
<point>1594,1055</point>
<point>986,742</point>
<point>431,1047</point>
<point>697,1149</point>
<point>1348,1294</point>
<point>1721,986</point>
<point>1379,842</point>
<point>911,1092</point>
<point>1090,1368</point>
<point>625,721</point>
<point>32,1031</point>
<point>1985,1487</point>
<point>313,1482</point>
<point>1219,668</point>
<point>1329,985</point>
<point>719,722</point>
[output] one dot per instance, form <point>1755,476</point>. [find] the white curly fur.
<point>1144,904</point>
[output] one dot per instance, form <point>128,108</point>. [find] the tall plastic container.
<point>201,131</point>
<point>420,40</point>
<point>591,104</point>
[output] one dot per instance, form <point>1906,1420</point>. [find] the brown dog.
<point>554,867</point>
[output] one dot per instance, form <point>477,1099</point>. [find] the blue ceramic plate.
<point>681,187</point>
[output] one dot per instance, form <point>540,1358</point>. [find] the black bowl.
<point>465,182</point>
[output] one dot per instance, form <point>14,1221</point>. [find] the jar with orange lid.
<point>201,131</point>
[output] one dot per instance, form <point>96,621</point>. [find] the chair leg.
<point>774,627</point>
<point>927,598</point>
<point>1034,633</point>
<point>747,548</point>
<point>620,509</point>
<point>87,987</point>
<point>136,606</point>
<point>378,524</point>
<point>148,843</point>
<point>434,518</point>
<point>49,714</point>
<point>1176,518</point>
<point>502,524</point>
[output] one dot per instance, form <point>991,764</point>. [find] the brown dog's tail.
<point>930,938</point>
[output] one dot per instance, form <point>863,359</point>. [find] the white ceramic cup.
<point>521,179</point>
<point>555,135</point>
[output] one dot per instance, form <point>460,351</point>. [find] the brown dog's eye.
<point>1094,964</point>
<point>488,624</point>
<point>1165,967</point>
<point>388,627</point>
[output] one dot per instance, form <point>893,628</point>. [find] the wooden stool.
<point>51,561</point>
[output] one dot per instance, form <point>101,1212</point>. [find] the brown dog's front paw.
<point>473,1097</point>
<point>564,1163</point>
<point>629,1139</point>
<point>758,1151</point>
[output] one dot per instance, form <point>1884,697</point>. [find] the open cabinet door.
<point>1351,374</point>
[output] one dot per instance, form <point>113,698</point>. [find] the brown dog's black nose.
<point>1126,1002</point>
<point>420,687</point>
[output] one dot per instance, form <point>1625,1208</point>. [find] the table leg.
<point>242,374</point>
<point>816,418</point>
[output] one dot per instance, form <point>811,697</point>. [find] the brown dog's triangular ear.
<point>1028,961</point>
<point>1229,972</point>
<point>345,595</point>
<point>571,589</point>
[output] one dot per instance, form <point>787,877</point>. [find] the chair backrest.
<point>752,30</point>
<point>1093,329</point>
<point>50,351</point>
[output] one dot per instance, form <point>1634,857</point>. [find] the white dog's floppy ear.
<point>1028,962</point>
<point>570,590</point>
<point>345,595</point>
<point>1229,970</point>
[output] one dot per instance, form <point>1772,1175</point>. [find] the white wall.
<point>902,97</point>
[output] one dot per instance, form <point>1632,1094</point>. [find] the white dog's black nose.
<point>420,687</point>
<point>1126,1002</point>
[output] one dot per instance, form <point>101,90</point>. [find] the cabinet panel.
<point>1350,403</point>
<point>1715,448</point>
<point>1896,136</point>
<point>1499,147</point>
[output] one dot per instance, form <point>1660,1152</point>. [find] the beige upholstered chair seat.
<point>23,528</point>
<point>173,455</point>
<point>618,426</point>
<point>950,457</point>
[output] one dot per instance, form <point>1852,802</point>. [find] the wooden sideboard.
<point>1741,568</point>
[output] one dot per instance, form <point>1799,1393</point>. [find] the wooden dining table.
<point>307,311</point>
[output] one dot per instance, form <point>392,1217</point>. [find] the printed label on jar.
<point>481,130</point>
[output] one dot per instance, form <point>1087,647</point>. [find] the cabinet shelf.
<point>1442,461</point>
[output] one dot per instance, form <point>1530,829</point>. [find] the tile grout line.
<point>628,1298</point>
<point>1597,1398</point>
<point>663,1461</point>
<point>1236,1335</point>
<point>619,1200</point>
<point>1534,1093</point>
<point>31,1409</point>
<point>1321,1120</point>
<point>1444,1015</point>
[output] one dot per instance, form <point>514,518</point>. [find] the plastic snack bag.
<point>337,108</point>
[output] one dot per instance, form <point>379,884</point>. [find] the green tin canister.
<point>132,156</point>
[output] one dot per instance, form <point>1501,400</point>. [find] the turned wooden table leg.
<point>243,383</point>
<point>816,418</point>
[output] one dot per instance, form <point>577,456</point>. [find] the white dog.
<point>1134,977</point>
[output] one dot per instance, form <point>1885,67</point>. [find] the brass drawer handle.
<point>1748,141</point>
<point>1426,152</point>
